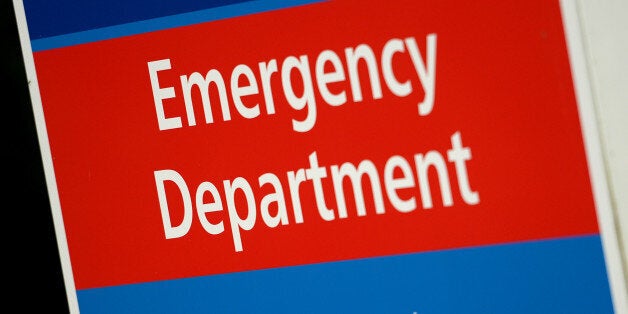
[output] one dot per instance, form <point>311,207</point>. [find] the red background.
<point>502,79</point>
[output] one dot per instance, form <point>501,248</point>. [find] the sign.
<point>322,157</point>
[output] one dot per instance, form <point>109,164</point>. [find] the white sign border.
<point>595,160</point>
<point>46,155</point>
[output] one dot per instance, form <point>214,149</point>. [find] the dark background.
<point>35,279</point>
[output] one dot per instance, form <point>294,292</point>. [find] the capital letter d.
<point>184,227</point>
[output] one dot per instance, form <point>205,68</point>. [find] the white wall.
<point>604,25</point>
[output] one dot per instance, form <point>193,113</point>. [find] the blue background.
<point>551,276</point>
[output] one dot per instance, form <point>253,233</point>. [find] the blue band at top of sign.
<point>549,276</point>
<point>55,24</point>
<point>53,18</point>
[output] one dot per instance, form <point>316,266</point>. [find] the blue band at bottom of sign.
<point>565,275</point>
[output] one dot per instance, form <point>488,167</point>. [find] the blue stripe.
<point>51,18</point>
<point>166,22</point>
<point>553,276</point>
